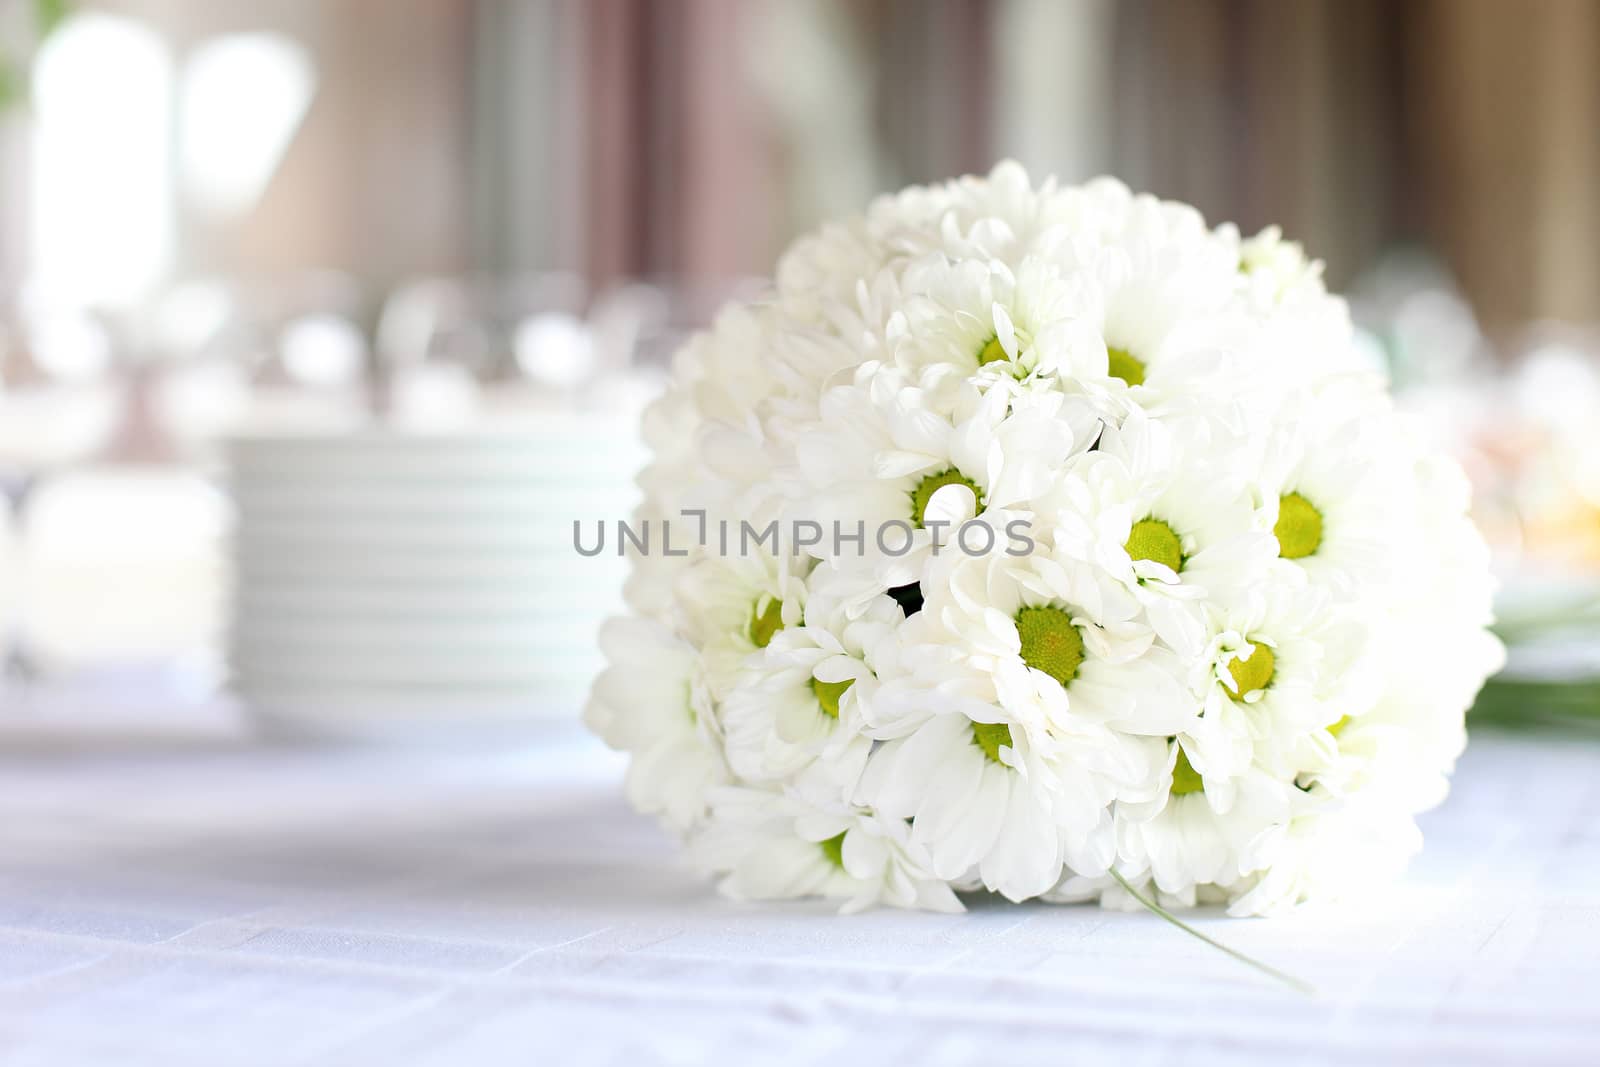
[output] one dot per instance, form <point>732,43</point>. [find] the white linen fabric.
<point>177,893</point>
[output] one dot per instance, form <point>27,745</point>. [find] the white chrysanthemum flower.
<point>1167,511</point>
<point>651,703</point>
<point>1200,838</point>
<point>1278,671</point>
<point>1044,641</point>
<point>734,605</point>
<point>1015,671</point>
<point>984,321</point>
<point>1335,492</point>
<point>1090,563</point>
<point>898,482</point>
<point>1279,269</point>
<point>768,847</point>
<point>1328,848</point>
<point>977,801</point>
<point>795,713</point>
<point>1159,299</point>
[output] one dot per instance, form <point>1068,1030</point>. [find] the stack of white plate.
<point>387,583</point>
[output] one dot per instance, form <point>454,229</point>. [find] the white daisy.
<point>1332,493</point>
<point>734,605</point>
<point>981,319</point>
<point>1201,837</point>
<point>1170,516</point>
<point>1015,672</point>
<point>650,702</point>
<point>794,713</point>
<point>1327,850</point>
<point>972,805</point>
<point>768,846</point>
<point>1159,300</point>
<point>1277,673</point>
<point>891,484</point>
<point>1277,270</point>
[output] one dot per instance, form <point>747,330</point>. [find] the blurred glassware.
<point>668,311</point>
<point>108,426</point>
<point>1409,303</point>
<point>314,374</point>
<point>230,356</point>
<point>640,325</point>
<point>203,354</point>
<point>1554,392</point>
<point>451,350</point>
<point>60,399</point>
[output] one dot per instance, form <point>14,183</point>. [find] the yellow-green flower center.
<point>829,693</point>
<point>932,484</point>
<point>1185,779</point>
<point>1121,364</point>
<point>992,352</point>
<point>1338,728</point>
<point>1154,540</point>
<point>992,737</point>
<point>1252,670</point>
<point>764,622</point>
<point>833,848</point>
<point>1050,643</point>
<point>1299,527</point>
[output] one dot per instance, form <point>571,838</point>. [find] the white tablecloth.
<point>177,894</point>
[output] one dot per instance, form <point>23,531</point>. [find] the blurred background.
<point>252,253</point>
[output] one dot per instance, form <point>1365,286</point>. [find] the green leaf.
<point>10,85</point>
<point>48,14</point>
<point>1526,703</point>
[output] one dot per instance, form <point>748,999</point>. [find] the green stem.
<point>1272,972</point>
<point>1523,703</point>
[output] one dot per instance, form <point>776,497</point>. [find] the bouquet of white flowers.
<point>1042,540</point>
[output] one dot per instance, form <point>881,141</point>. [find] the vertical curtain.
<point>1508,125</point>
<point>701,158</point>
<point>1471,126</point>
<point>676,169</point>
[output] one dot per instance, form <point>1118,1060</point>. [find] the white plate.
<point>534,474</point>
<point>520,537</point>
<point>570,455</point>
<point>395,632</point>
<point>366,713</point>
<point>530,669</point>
<point>594,427</point>
<point>421,560</point>
<point>418,695</point>
<point>456,502</point>
<point>488,601</point>
<point>499,603</point>
<point>533,650</point>
<point>562,574</point>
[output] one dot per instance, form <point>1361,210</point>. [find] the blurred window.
<point>102,175</point>
<point>242,98</point>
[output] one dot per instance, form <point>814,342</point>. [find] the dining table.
<point>177,888</point>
